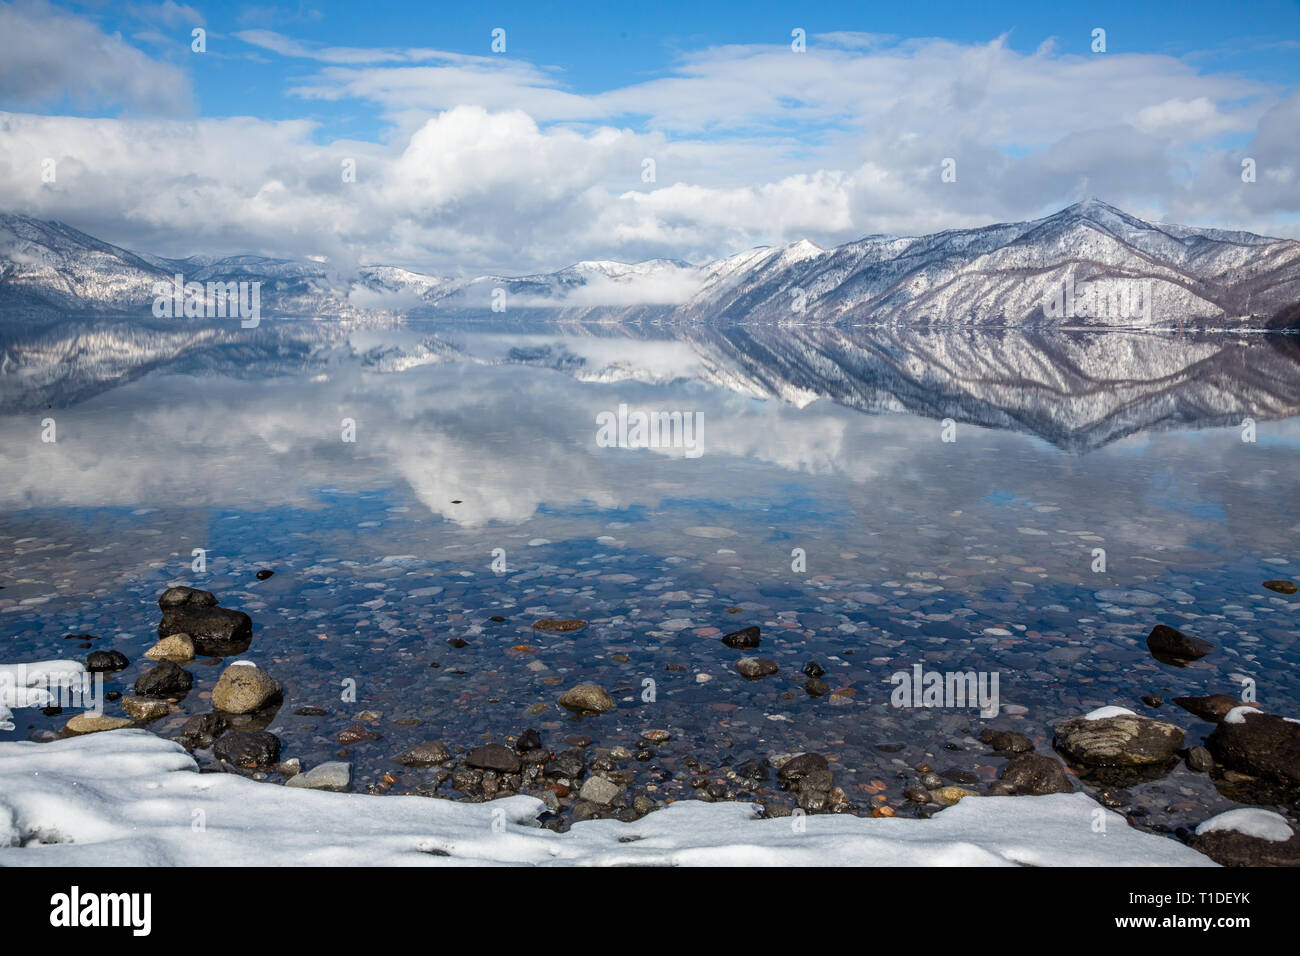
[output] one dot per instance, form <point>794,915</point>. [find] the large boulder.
<point>214,631</point>
<point>1262,745</point>
<point>1248,837</point>
<point>244,688</point>
<point>1116,737</point>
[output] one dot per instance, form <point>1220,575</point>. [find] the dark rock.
<point>214,631</point>
<point>186,597</point>
<point>1212,708</point>
<point>493,757</point>
<point>570,764</point>
<point>1234,848</point>
<point>816,688</point>
<point>1199,760</point>
<point>457,642</point>
<point>203,729</point>
<point>100,662</point>
<point>753,769</point>
<point>957,775</point>
<point>265,573</point>
<point>1006,741</point>
<point>813,669</point>
<point>1282,587</point>
<point>744,639</point>
<point>529,740</point>
<point>801,766</point>
<point>311,712</point>
<point>1263,745</point>
<point>1035,775</point>
<point>1125,740</point>
<point>1171,646</point>
<point>755,668</point>
<point>428,754</point>
<point>245,748</point>
<point>1152,700</point>
<point>166,680</point>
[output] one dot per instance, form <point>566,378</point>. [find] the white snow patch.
<point>1238,714</point>
<point>1261,824</point>
<point>130,798</point>
<point>1101,713</point>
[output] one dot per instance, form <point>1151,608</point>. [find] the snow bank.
<point>130,798</point>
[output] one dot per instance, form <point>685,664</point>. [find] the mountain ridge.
<point>1000,275</point>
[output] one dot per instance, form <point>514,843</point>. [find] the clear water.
<point>972,554</point>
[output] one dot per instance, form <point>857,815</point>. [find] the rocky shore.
<point>1251,755</point>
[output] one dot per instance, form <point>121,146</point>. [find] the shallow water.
<point>975,554</point>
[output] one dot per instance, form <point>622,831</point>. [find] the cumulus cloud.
<point>48,57</point>
<point>492,165</point>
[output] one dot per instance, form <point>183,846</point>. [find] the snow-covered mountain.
<point>1089,265</point>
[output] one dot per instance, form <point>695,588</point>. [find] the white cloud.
<point>493,166</point>
<point>47,56</point>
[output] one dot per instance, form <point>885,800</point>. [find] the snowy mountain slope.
<point>1143,274</point>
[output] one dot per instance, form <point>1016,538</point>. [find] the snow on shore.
<point>130,798</point>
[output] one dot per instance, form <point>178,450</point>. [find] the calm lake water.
<point>828,506</point>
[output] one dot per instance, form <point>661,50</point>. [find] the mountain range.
<point>1089,265</point>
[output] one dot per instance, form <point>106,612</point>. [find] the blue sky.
<point>473,160</point>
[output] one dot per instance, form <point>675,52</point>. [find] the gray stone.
<point>336,775</point>
<point>600,790</point>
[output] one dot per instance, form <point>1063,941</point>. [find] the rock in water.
<point>587,699</point>
<point>1171,646</point>
<point>174,647</point>
<point>428,754</point>
<point>186,597</point>
<point>147,708</point>
<point>93,724</point>
<point>493,757</point>
<point>262,575</point>
<point>755,668</point>
<point>244,688</point>
<point>600,790</point>
<point>202,729</point>
<point>248,748</point>
<point>1282,587</point>
<point>165,680</point>
<point>1248,837</point>
<point>101,662</point>
<point>1007,741</point>
<point>1262,745</point>
<point>1035,775</point>
<point>1123,740</point>
<point>746,639</point>
<point>214,631</point>
<point>336,775</point>
<point>1212,708</point>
